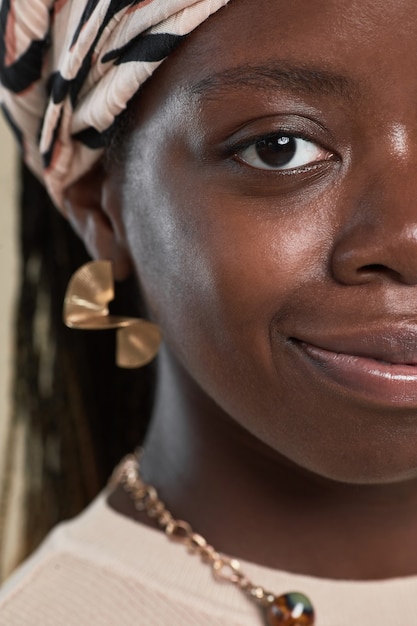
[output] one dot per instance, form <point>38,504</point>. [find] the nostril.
<point>378,269</point>
<point>359,258</point>
<point>374,267</point>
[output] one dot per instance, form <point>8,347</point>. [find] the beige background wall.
<point>8,262</point>
<point>8,276</point>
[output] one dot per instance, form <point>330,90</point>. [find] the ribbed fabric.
<point>103,569</point>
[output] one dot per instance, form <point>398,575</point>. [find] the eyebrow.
<point>272,76</point>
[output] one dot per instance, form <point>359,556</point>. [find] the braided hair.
<point>80,413</point>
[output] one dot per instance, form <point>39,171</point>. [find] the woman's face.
<point>270,204</point>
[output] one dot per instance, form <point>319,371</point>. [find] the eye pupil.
<point>276,151</point>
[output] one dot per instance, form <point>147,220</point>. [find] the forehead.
<point>330,45</point>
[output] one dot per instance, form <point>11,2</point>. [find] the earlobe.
<point>91,206</point>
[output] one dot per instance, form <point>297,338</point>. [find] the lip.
<point>379,366</point>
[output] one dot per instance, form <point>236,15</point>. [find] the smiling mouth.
<point>386,373</point>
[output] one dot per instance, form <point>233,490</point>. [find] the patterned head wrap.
<point>68,68</point>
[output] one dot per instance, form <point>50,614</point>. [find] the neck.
<point>251,503</point>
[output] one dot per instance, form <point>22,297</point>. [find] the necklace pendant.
<point>290,609</point>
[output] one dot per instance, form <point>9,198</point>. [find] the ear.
<point>92,207</point>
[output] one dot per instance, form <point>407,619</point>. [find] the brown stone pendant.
<point>290,609</point>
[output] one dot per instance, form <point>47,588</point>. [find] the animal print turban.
<point>68,68</point>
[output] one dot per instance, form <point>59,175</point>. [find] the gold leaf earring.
<point>89,291</point>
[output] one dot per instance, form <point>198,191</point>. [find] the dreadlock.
<point>79,412</point>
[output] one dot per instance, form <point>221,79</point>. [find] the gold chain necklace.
<point>290,609</point>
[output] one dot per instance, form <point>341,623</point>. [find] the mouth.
<point>380,367</point>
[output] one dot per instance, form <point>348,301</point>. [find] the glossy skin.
<point>240,265</point>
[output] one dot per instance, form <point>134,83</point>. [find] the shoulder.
<point>103,569</point>
<point>78,576</point>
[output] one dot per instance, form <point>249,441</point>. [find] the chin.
<point>370,471</point>
<point>361,464</point>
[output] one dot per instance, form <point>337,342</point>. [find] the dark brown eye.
<point>283,152</point>
<point>276,151</point>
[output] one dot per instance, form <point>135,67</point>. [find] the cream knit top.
<point>104,569</point>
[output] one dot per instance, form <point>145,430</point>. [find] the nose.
<point>378,239</point>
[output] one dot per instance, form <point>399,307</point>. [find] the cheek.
<point>218,270</point>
